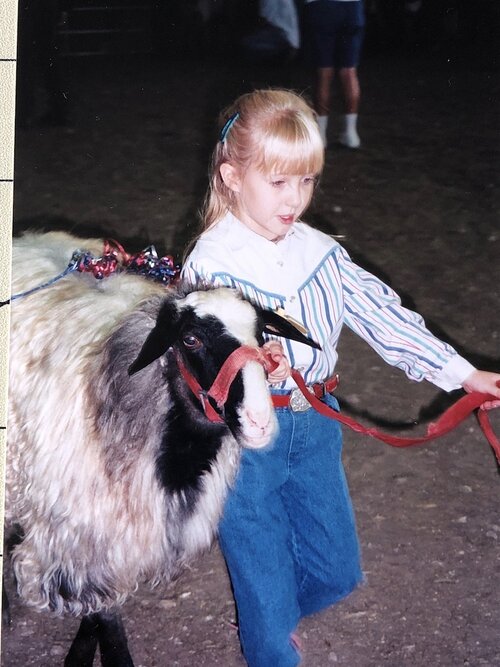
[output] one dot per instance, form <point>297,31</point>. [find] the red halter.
<point>225,377</point>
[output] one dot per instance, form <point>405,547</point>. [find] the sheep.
<point>114,472</point>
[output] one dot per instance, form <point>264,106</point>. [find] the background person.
<point>335,30</point>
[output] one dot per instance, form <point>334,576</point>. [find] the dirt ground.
<point>419,205</point>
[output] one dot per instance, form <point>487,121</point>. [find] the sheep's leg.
<point>83,648</point>
<point>6,620</point>
<point>113,641</point>
<point>107,630</point>
<point>13,537</point>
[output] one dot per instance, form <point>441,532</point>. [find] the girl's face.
<point>269,203</point>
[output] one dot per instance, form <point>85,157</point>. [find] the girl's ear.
<point>230,176</point>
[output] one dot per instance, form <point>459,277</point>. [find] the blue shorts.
<point>288,534</point>
<point>336,31</point>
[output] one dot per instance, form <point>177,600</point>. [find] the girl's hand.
<point>275,350</point>
<point>485,383</point>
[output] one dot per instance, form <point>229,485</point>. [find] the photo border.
<point>8,46</point>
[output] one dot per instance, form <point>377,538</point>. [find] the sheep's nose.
<point>259,419</point>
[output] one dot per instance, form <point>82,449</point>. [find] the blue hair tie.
<point>229,124</point>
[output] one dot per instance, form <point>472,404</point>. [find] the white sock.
<point>322,124</point>
<point>349,137</point>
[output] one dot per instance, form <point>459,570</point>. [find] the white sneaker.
<point>350,139</point>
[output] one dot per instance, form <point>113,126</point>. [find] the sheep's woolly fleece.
<point>86,491</point>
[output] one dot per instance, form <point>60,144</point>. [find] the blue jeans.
<point>288,534</point>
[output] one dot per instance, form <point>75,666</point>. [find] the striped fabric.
<point>313,278</point>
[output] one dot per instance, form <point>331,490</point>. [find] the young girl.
<point>288,533</point>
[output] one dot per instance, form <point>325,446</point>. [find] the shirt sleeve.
<point>399,335</point>
<point>197,273</point>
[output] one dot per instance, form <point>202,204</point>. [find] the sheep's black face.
<point>192,442</point>
<point>206,327</point>
<point>212,325</point>
<point>205,345</point>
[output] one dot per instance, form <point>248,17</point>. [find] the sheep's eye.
<point>191,342</point>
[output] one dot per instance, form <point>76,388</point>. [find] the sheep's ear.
<point>281,325</point>
<point>160,338</point>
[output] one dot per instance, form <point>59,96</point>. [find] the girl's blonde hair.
<point>274,130</point>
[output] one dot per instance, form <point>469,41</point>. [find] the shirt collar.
<point>238,235</point>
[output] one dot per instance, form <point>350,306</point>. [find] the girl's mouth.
<point>286,219</point>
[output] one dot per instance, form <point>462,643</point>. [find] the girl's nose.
<point>293,198</point>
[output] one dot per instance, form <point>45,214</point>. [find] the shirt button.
<point>279,263</point>
<point>291,299</point>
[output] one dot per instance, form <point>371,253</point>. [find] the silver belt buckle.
<point>298,402</point>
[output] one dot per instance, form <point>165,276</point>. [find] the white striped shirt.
<point>313,278</point>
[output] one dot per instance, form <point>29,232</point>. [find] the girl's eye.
<point>191,342</point>
<point>309,180</point>
<point>277,183</point>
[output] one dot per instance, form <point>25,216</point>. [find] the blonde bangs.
<point>290,145</point>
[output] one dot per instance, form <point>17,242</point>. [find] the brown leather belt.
<point>296,401</point>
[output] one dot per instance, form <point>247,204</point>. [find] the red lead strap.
<point>219,390</point>
<point>446,423</point>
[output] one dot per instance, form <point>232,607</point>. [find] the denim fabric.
<point>288,534</point>
<point>335,31</point>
